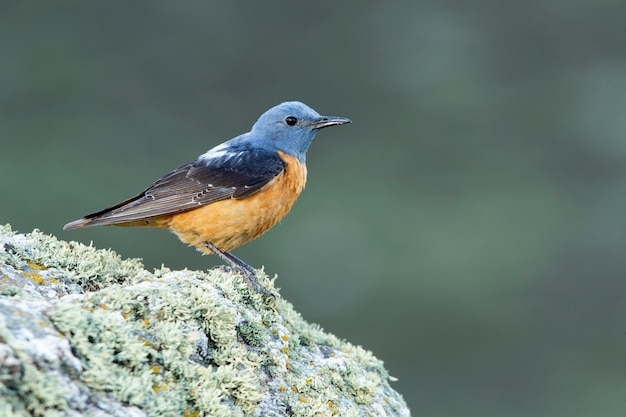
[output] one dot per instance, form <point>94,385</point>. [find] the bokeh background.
<point>469,227</point>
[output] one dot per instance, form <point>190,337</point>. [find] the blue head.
<point>291,126</point>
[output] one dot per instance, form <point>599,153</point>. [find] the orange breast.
<point>230,223</point>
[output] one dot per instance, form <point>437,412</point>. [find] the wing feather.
<point>237,173</point>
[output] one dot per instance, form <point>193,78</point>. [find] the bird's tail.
<point>88,221</point>
<point>78,224</point>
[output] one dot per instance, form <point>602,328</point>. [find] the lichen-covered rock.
<point>85,333</point>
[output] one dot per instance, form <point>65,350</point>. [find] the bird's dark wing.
<point>233,174</point>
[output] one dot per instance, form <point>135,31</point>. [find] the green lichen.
<point>84,265</point>
<point>25,389</point>
<point>193,343</point>
<point>5,230</point>
<point>123,334</point>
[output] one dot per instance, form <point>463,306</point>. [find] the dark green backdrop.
<point>469,227</point>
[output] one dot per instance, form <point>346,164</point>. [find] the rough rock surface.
<point>86,333</point>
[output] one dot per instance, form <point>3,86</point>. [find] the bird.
<point>232,193</point>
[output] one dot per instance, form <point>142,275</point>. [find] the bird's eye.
<point>291,120</point>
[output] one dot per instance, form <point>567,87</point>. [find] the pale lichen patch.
<point>185,343</point>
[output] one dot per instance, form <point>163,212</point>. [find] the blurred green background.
<point>469,227</point>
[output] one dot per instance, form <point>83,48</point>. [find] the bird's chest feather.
<point>231,223</point>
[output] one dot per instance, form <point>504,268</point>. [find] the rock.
<point>86,333</point>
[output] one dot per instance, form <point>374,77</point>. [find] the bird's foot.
<point>236,265</point>
<point>256,285</point>
<point>248,275</point>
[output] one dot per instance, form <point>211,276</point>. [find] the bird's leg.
<point>240,266</point>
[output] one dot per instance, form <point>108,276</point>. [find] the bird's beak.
<point>326,121</point>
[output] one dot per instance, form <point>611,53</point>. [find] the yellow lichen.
<point>35,266</point>
<point>191,413</point>
<point>34,276</point>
